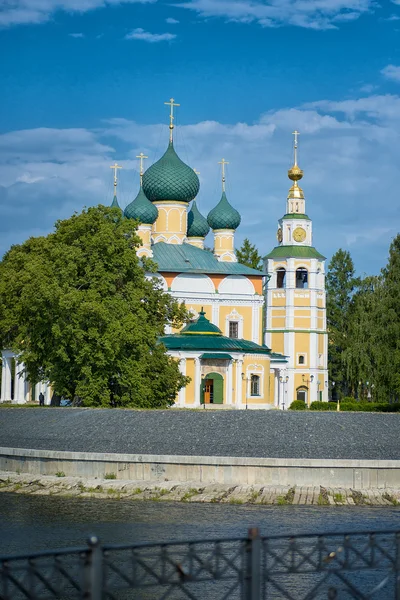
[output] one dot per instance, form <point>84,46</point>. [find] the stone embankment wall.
<point>256,494</point>
<point>357,474</point>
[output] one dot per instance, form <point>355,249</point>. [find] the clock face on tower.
<point>299,234</point>
<point>279,235</point>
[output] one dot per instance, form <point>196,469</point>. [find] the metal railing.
<point>330,566</point>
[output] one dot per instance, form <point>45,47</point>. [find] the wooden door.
<point>208,391</point>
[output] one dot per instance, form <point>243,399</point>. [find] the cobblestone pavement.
<point>194,491</point>
<point>269,434</point>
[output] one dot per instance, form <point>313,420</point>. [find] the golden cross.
<point>197,172</point>
<point>295,133</point>
<point>141,157</point>
<point>223,162</point>
<point>171,103</point>
<point>115,167</point>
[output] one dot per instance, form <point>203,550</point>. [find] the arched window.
<point>301,394</point>
<point>301,359</point>
<point>280,278</point>
<point>255,385</point>
<point>302,278</point>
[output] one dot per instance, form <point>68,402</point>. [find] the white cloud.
<point>76,35</point>
<point>18,12</point>
<point>391,72</point>
<point>393,18</point>
<point>312,14</point>
<point>368,88</point>
<point>171,21</point>
<point>347,150</point>
<point>146,36</point>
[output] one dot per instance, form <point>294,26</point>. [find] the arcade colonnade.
<point>15,387</point>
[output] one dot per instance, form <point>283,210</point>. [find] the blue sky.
<point>84,82</point>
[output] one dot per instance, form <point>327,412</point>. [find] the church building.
<point>257,338</point>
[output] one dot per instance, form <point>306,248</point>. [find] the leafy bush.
<point>298,405</point>
<point>395,407</point>
<point>369,407</point>
<point>317,405</point>
<point>348,400</point>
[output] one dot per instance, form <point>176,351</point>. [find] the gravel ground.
<point>224,433</point>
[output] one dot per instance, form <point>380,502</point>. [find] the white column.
<point>6,377</point>
<point>19,383</point>
<point>229,384</point>
<point>47,393</point>
<point>239,367</point>
<point>276,388</point>
<point>197,381</point>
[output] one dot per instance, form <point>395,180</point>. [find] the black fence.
<point>330,566</point>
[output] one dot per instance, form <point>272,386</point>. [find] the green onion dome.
<point>141,209</point>
<point>170,179</point>
<point>197,224</point>
<point>223,216</point>
<point>115,204</point>
<point>201,327</point>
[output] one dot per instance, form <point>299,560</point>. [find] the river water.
<point>34,523</point>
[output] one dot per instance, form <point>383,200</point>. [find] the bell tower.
<point>296,300</point>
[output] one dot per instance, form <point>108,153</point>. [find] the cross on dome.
<point>223,162</point>
<point>115,167</point>
<point>141,157</point>
<point>171,103</point>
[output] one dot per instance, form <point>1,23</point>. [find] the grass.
<point>287,498</point>
<point>338,498</point>
<point>110,476</point>
<point>189,494</point>
<point>60,474</point>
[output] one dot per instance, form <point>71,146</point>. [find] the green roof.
<point>170,179</point>
<point>197,225</point>
<point>201,326</point>
<point>185,258</point>
<point>296,216</point>
<point>141,209</point>
<point>211,342</point>
<point>215,355</point>
<point>203,335</point>
<point>223,216</point>
<point>295,252</point>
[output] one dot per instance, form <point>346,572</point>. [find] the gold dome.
<point>295,173</point>
<point>296,192</point>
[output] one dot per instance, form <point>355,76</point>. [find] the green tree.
<point>77,308</point>
<point>341,284</point>
<point>248,255</point>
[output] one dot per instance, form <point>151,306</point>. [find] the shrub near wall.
<point>298,405</point>
<point>317,405</point>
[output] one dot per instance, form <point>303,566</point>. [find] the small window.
<point>233,329</point>
<point>301,359</point>
<point>302,278</point>
<point>280,278</point>
<point>255,385</point>
<point>302,394</point>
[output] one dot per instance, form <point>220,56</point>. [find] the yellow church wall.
<point>278,321</point>
<point>302,301</point>
<point>190,390</point>
<point>256,365</point>
<point>321,343</point>
<point>302,322</point>
<point>278,301</point>
<point>302,342</point>
<point>278,342</point>
<point>246,312</point>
